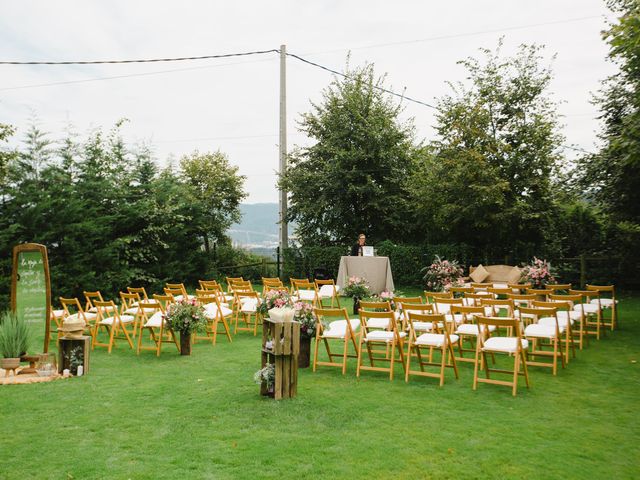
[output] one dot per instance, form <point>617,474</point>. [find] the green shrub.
<point>15,335</point>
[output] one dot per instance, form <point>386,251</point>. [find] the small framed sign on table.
<point>367,251</point>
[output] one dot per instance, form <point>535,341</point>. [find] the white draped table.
<point>376,270</point>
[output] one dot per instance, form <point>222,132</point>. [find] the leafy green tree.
<point>486,180</point>
<point>216,188</point>
<point>6,155</point>
<point>353,178</point>
<point>612,176</point>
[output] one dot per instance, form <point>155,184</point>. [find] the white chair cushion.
<point>604,302</point>
<point>504,344</point>
<point>500,285</point>
<point>338,328</point>
<point>435,339</point>
<point>179,298</point>
<point>588,308</point>
<point>211,310</point>
<point>423,326</point>
<point>154,321</point>
<point>134,310</point>
<point>326,291</point>
<point>471,329</point>
<point>149,300</point>
<point>307,295</point>
<point>540,331</point>
<point>455,317</point>
<point>551,322</point>
<point>104,309</point>
<point>381,336</point>
<point>573,314</point>
<point>443,308</point>
<point>57,313</point>
<point>123,319</point>
<point>377,323</point>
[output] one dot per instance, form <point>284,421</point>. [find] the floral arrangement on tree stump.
<point>307,318</point>
<point>539,273</point>
<point>186,317</point>
<point>441,275</point>
<point>277,298</point>
<point>356,287</point>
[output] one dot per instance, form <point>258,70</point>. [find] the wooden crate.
<point>285,337</point>
<point>66,346</point>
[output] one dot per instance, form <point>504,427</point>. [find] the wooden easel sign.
<point>31,288</point>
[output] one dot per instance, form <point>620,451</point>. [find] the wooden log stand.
<point>285,342</point>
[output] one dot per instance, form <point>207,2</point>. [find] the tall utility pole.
<point>284,229</point>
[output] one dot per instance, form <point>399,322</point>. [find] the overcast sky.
<point>232,104</point>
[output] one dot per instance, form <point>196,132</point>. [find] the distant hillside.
<point>259,226</point>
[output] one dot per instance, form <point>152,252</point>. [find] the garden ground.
<point>138,417</point>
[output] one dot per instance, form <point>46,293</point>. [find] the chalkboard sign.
<point>30,287</point>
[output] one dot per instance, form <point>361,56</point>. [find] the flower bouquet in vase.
<point>356,288</point>
<point>539,273</point>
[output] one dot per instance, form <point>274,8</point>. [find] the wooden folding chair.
<point>480,286</point>
<point>521,299</point>
<point>519,288</point>
<point>608,302</point>
<point>560,287</point>
<point>272,282</point>
<point>247,307</point>
<point>576,316</point>
<point>443,307</point>
<point>591,309</point>
<point>564,320</point>
<point>417,308</point>
<point>514,346</point>
<point>499,293</point>
<point>216,315</point>
<point>72,309</point>
<point>230,281</point>
<point>340,329</point>
<point>90,298</point>
<point>142,293</point>
<point>152,315</point>
<point>389,336</point>
<point>208,284</point>
<point>439,340</point>
<point>460,291</point>
<point>542,294</point>
<point>474,299</point>
<point>129,306</point>
<point>56,318</point>
<point>544,325</point>
<point>432,296</point>
<point>109,319</point>
<point>468,329</point>
<point>305,292</point>
<point>327,289</point>
<point>183,295</point>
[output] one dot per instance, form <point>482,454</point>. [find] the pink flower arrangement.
<point>441,275</point>
<point>277,298</point>
<point>539,273</point>
<point>307,318</point>
<point>356,287</point>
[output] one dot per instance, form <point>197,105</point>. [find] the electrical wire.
<point>144,60</point>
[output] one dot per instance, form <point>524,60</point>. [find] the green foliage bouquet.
<point>441,275</point>
<point>356,287</point>
<point>267,374</point>
<point>186,317</point>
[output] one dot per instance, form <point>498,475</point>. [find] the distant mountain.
<point>259,227</point>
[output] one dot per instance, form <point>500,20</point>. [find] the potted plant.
<point>441,275</point>
<point>185,317</point>
<point>356,288</point>
<point>266,375</point>
<point>539,273</point>
<point>15,337</point>
<point>307,318</point>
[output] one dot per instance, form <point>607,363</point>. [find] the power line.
<point>460,35</point>
<point>391,92</point>
<point>143,74</point>
<point>144,60</point>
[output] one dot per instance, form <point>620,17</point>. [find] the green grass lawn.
<point>202,417</point>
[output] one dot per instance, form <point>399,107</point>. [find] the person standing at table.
<point>356,250</point>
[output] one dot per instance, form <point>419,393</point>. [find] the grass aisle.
<point>202,417</point>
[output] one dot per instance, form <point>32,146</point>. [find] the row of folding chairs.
<point>528,327</point>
